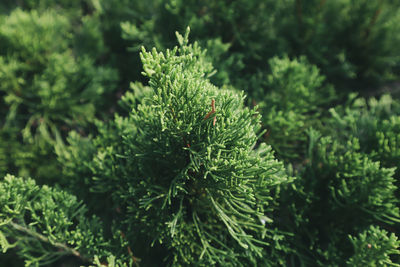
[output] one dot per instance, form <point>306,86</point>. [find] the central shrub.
<point>182,170</point>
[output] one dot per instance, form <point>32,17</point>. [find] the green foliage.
<point>352,41</point>
<point>292,100</point>
<point>376,123</point>
<point>374,247</point>
<point>44,4</point>
<point>46,88</point>
<point>111,14</point>
<point>44,224</point>
<point>230,31</point>
<point>178,175</point>
<point>358,181</point>
<point>340,192</point>
<point>211,197</point>
<point>350,181</point>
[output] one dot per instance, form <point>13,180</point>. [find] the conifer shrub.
<point>354,43</point>
<point>349,186</point>
<point>181,169</point>
<point>183,173</point>
<point>240,36</point>
<point>376,123</point>
<point>340,192</point>
<point>374,247</point>
<point>294,98</point>
<point>44,4</point>
<point>48,86</point>
<point>46,224</point>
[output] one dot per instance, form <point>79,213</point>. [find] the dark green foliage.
<point>111,14</point>
<point>340,192</point>
<point>355,180</point>
<point>44,224</point>
<point>376,123</point>
<point>374,247</point>
<point>44,4</point>
<point>292,101</point>
<point>48,87</point>
<point>221,27</point>
<point>352,41</point>
<point>350,181</point>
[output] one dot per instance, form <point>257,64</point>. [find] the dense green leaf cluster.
<point>374,247</point>
<point>354,42</point>
<point>340,192</point>
<point>376,123</point>
<point>349,183</point>
<point>293,99</point>
<point>211,197</point>
<point>47,224</point>
<point>252,146</point>
<point>48,84</point>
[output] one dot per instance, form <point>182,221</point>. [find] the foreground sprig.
<point>45,224</point>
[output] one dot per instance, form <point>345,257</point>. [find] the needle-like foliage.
<point>374,247</point>
<point>48,85</point>
<point>45,224</point>
<point>292,101</point>
<point>340,192</point>
<point>183,171</point>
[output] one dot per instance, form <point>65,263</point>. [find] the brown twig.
<point>212,112</point>
<point>135,260</point>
